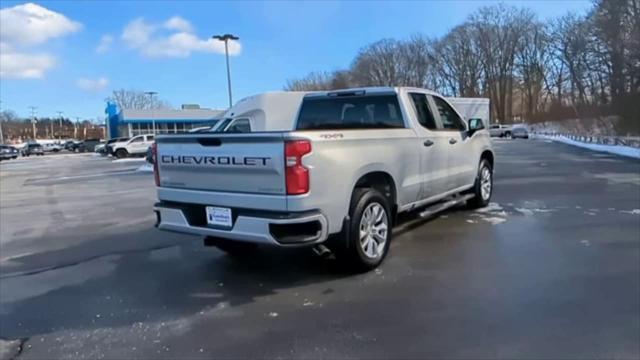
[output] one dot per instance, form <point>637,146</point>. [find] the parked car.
<point>519,132</point>
<point>91,144</point>
<point>137,145</point>
<point>497,130</point>
<point>331,171</point>
<point>51,147</point>
<point>103,148</point>
<point>8,152</point>
<point>33,149</point>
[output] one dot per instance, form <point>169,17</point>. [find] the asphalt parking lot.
<point>551,269</point>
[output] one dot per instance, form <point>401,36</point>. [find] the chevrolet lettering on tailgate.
<point>214,160</point>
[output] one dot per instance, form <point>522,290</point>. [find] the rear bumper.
<point>271,228</point>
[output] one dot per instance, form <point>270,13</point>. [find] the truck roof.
<point>280,107</point>
<point>373,89</point>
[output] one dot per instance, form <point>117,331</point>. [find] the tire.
<point>508,135</point>
<point>231,247</point>
<point>363,253</point>
<point>481,198</point>
<point>121,153</point>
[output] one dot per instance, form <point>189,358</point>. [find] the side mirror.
<point>475,124</point>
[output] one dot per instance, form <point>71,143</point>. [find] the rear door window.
<point>421,105</point>
<point>350,112</point>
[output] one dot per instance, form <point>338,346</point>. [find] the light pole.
<point>226,38</point>
<point>60,117</point>
<point>1,118</point>
<point>153,115</point>
<point>33,120</point>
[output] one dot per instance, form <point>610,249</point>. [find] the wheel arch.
<point>487,155</point>
<point>381,181</point>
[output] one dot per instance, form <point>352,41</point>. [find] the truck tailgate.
<point>242,163</point>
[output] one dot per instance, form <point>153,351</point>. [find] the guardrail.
<point>631,141</point>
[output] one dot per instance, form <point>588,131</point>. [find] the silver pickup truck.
<point>333,174</point>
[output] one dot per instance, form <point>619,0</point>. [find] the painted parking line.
<point>80,177</point>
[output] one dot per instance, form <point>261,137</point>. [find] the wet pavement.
<point>551,269</point>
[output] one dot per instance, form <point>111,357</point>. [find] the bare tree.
<point>531,57</point>
<point>498,31</point>
<point>457,62</point>
<point>571,67</point>
<point>133,99</point>
<point>378,64</point>
<point>317,81</point>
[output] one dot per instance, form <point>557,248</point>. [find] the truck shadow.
<point>164,277</point>
<point>174,282</point>
<point>411,220</point>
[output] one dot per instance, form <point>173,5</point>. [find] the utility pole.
<point>75,128</point>
<point>60,117</point>
<point>226,38</point>
<point>153,115</point>
<point>33,120</point>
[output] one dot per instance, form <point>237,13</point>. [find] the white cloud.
<point>179,24</point>
<point>105,44</point>
<point>24,66</point>
<point>93,85</point>
<point>32,24</point>
<point>174,38</point>
<point>23,27</point>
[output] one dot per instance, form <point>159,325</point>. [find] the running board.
<point>444,205</point>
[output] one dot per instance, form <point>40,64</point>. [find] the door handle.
<point>452,141</point>
<point>428,143</point>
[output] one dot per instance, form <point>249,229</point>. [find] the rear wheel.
<point>369,231</point>
<point>483,187</point>
<point>121,153</point>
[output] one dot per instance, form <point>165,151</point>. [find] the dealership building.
<point>131,122</point>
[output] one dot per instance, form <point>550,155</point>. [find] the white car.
<point>137,145</point>
<point>330,170</point>
<point>497,130</point>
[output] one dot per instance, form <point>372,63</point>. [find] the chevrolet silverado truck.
<point>330,170</point>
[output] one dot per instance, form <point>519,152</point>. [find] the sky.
<point>69,55</point>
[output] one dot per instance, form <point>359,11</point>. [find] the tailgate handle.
<point>209,142</point>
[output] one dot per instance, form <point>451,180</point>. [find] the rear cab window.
<point>375,111</point>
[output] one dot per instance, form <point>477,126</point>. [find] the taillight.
<point>154,158</point>
<point>297,176</point>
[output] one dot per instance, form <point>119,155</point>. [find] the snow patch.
<point>490,208</point>
<point>146,168</point>
<point>612,149</point>
<point>527,212</point>
<point>125,160</point>
<point>493,220</point>
<point>492,213</point>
